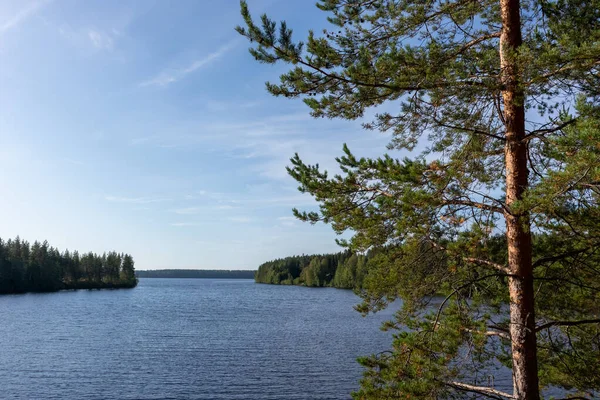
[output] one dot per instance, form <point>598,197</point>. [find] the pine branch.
<point>541,132</point>
<point>548,75</point>
<point>570,282</point>
<point>558,257</point>
<point>254,33</point>
<point>474,42</point>
<point>470,203</point>
<point>465,129</point>
<point>458,289</point>
<point>567,323</point>
<point>394,88</point>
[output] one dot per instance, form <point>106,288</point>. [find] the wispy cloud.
<point>287,221</point>
<point>22,15</point>
<point>225,207</point>
<point>244,220</point>
<point>72,161</point>
<point>187,210</point>
<point>197,195</point>
<point>102,40</point>
<point>165,78</point>
<point>135,200</point>
<point>180,224</point>
<point>226,106</point>
<point>198,210</point>
<point>94,37</point>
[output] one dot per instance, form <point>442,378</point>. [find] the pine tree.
<point>128,269</point>
<point>499,104</point>
<point>6,271</point>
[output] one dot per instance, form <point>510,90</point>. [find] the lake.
<point>186,339</point>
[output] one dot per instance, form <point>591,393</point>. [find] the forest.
<point>344,270</point>
<point>42,268</point>
<point>196,273</point>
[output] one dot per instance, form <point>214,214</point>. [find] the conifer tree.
<point>128,268</point>
<point>498,102</point>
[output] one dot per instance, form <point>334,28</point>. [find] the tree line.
<point>42,268</point>
<point>196,273</point>
<point>372,269</point>
<point>344,270</point>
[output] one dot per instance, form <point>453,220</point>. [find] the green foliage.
<point>42,268</point>
<point>433,73</point>
<point>337,270</point>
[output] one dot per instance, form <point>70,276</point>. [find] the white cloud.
<point>102,40</point>
<point>225,207</point>
<point>165,78</point>
<point>180,224</point>
<point>139,140</point>
<point>135,200</point>
<point>244,220</point>
<point>287,221</point>
<point>22,15</point>
<point>187,210</point>
<point>199,209</point>
<point>226,106</point>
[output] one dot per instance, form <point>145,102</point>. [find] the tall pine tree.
<point>499,102</point>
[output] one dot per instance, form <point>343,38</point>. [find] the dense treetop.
<point>43,268</point>
<point>342,270</point>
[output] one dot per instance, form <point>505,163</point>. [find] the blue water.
<point>185,339</point>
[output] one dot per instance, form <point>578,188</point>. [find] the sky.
<point>145,127</point>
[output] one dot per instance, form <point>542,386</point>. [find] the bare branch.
<point>374,190</point>
<point>574,398</point>
<point>499,267</point>
<point>503,335</point>
<point>484,390</point>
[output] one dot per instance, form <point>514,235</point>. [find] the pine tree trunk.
<point>522,316</point>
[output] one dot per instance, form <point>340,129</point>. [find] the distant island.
<point>43,268</point>
<point>197,274</point>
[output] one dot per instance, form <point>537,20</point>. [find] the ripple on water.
<point>185,339</point>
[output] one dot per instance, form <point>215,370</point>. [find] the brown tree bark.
<point>518,234</point>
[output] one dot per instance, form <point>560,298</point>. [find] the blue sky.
<point>144,127</point>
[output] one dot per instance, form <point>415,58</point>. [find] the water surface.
<point>185,339</point>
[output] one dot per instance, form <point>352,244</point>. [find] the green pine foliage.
<point>344,270</point>
<point>497,105</point>
<point>43,268</point>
